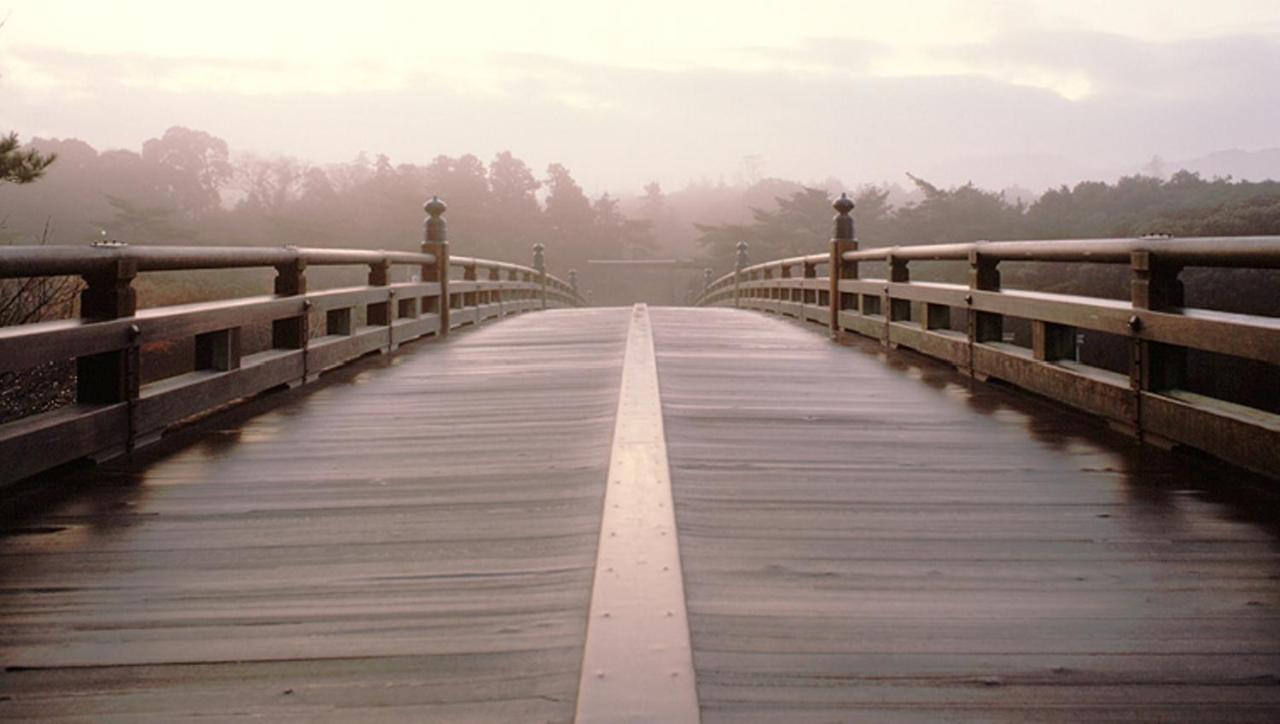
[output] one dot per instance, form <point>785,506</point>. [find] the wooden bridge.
<point>631,514</point>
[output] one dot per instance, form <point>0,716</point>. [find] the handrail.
<point>1220,251</point>
<point>467,261</point>
<point>36,261</point>
<point>1217,251</point>
<point>310,331</point>
<point>1149,401</point>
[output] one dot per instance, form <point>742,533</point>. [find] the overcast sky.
<point>623,93</point>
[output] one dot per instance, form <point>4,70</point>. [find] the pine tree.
<point>19,166</point>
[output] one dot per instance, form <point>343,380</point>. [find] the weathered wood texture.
<point>1150,401</point>
<point>107,340</point>
<point>867,535</point>
<point>414,540</point>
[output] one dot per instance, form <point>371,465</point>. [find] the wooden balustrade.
<point>1148,401</point>
<point>310,331</point>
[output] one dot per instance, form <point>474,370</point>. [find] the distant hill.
<point>1040,171</point>
<point>1261,165</point>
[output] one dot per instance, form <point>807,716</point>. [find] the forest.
<point>188,187</point>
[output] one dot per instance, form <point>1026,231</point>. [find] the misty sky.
<point>624,93</point>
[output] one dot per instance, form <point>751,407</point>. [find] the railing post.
<point>293,332</point>
<point>435,241</point>
<point>471,298</point>
<point>291,281</point>
<point>739,264</point>
<point>573,281</point>
<point>808,296</point>
<point>379,314</point>
<point>984,275</point>
<point>540,264</point>
<point>110,376</point>
<point>706,280</point>
<point>494,296</point>
<point>1154,285</point>
<point>843,239</point>
<point>895,310</point>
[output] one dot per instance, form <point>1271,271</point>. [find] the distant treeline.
<point>187,187</point>
<point>1183,205</point>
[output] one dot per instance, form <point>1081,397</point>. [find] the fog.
<point>1000,94</point>
<point>640,131</point>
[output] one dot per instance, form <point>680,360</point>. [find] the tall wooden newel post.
<point>540,265</point>
<point>843,239</point>
<point>435,237</point>
<point>739,264</point>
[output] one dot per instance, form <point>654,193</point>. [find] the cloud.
<point>1143,70</point>
<point>816,54</point>
<point>821,110</point>
<point>52,70</point>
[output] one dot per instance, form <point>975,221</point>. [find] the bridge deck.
<point>416,541</point>
<point>880,540</point>
<point>863,536</point>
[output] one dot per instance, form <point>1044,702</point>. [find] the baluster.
<point>785,294</point>
<point>291,280</point>
<point>1155,286</point>
<point>984,275</point>
<point>292,332</point>
<point>896,310</point>
<point>378,314</point>
<point>494,295</point>
<point>808,294</point>
<point>113,376</point>
<point>539,264</point>
<point>740,263</point>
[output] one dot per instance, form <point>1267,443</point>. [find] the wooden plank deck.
<point>868,537</point>
<point>864,536</point>
<point>414,541</point>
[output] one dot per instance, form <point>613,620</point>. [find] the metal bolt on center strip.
<point>637,664</point>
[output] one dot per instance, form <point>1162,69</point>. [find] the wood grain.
<point>868,536</point>
<point>864,535</point>
<point>415,541</point>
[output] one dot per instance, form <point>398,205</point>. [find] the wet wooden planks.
<point>867,536</point>
<point>414,542</point>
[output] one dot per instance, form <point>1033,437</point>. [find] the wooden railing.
<point>1148,401</point>
<point>310,331</point>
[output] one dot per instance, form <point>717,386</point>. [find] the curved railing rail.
<point>310,331</point>
<point>1149,401</point>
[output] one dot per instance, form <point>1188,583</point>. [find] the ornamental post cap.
<point>742,246</point>
<point>844,204</point>
<point>539,247</point>
<point>435,207</point>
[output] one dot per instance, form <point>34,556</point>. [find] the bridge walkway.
<point>868,536</point>
<point>864,535</point>
<point>414,540</point>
